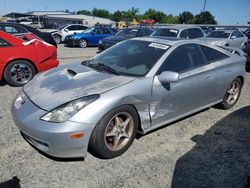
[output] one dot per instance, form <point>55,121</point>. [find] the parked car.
<point>26,32</point>
<point>65,30</point>
<point>122,35</point>
<point>89,37</point>
<point>180,31</point>
<point>20,60</point>
<point>207,29</point>
<point>231,38</point>
<point>247,33</point>
<point>137,85</point>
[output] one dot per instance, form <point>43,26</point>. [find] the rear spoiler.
<point>233,50</point>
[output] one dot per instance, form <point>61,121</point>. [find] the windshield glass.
<point>131,57</point>
<point>166,32</point>
<point>218,34</point>
<point>127,33</point>
<point>89,30</point>
<point>61,27</point>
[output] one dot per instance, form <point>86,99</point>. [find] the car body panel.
<point>42,55</point>
<point>155,102</point>
<point>237,42</point>
<point>91,37</point>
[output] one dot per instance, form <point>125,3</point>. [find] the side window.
<point>184,58</point>
<point>213,55</point>
<point>72,28</point>
<point>184,34</point>
<point>238,34</point>
<point>98,31</point>
<point>195,33</point>
<point>12,29</point>
<point>3,43</point>
<point>82,27</point>
<point>106,31</point>
<point>233,34</point>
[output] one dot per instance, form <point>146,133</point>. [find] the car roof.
<point>179,27</point>
<point>163,40</point>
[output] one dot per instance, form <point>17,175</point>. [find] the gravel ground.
<point>208,149</point>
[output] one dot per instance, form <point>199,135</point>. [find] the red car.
<point>21,60</point>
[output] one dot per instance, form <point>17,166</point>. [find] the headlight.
<point>219,43</point>
<point>100,41</point>
<point>66,111</point>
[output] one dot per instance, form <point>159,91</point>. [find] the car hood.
<point>65,83</point>
<point>115,39</point>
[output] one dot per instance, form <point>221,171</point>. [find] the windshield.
<point>131,57</point>
<point>61,27</point>
<point>127,33</point>
<point>218,34</point>
<point>166,32</point>
<point>89,30</point>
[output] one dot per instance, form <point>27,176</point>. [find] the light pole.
<point>204,8</point>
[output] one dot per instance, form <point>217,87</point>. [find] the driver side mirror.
<point>233,37</point>
<point>168,77</point>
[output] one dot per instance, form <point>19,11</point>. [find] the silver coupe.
<point>135,86</point>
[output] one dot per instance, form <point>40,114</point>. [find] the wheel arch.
<point>241,79</point>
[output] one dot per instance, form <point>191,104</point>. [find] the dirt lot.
<point>208,149</point>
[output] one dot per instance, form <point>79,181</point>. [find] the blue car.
<point>89,37</point>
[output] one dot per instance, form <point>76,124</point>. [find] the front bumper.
<point>105,45</point>
<point>51,138</point>
<point>71,42</point>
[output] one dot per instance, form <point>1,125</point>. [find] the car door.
<point>193,90</point>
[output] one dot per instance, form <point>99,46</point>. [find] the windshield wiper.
<point>105,67</point>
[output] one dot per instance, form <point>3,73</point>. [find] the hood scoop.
<point>71,72</point>
<point>75,75</point>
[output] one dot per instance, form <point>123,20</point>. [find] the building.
<point>53,19</point>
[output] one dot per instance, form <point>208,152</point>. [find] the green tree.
<point>131,13</point>
<point>205,18</point>
<point>85,12</point>
<point>101,13</point>
<point>186,17</point>
<point>117,16</point>
<point>170,19</point>
<point>158,16</point>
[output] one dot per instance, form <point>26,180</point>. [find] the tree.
<point>205,18</point>
<point>186,17</point>
<point>117,16</point>
<point>158,16</point>
<point>170,19</point>
<point>85,12</point>
<point>101,13</point>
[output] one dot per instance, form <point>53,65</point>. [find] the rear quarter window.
<point>213,55</point>
<point>3,43</point>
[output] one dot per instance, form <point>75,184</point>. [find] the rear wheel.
<point>114,134</point>
<point>57,38</point>
<point>83,43</point>
<point>232,94</point>
<point>18,73</point>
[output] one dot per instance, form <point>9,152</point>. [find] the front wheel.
<point>18,73</point>
<point>114,134</point>
<point>232,94</point>
<point>83,43</point>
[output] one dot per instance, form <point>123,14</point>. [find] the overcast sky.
<point>225,11</point>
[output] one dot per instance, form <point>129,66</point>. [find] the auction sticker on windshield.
<point>160,46</point>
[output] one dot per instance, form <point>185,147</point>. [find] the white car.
<point>231,38</point>
<point>65,30</point>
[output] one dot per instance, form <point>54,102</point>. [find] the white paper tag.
<point>160,46</point>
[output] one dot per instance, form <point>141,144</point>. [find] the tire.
<point>83,43</point>
<point>114,134</point>
<point>19,72</point>
<point>57,38</point>
<point>232,94</point>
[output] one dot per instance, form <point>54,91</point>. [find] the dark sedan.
<point>123,35</point>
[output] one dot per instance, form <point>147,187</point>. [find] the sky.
<point>225,11</point>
